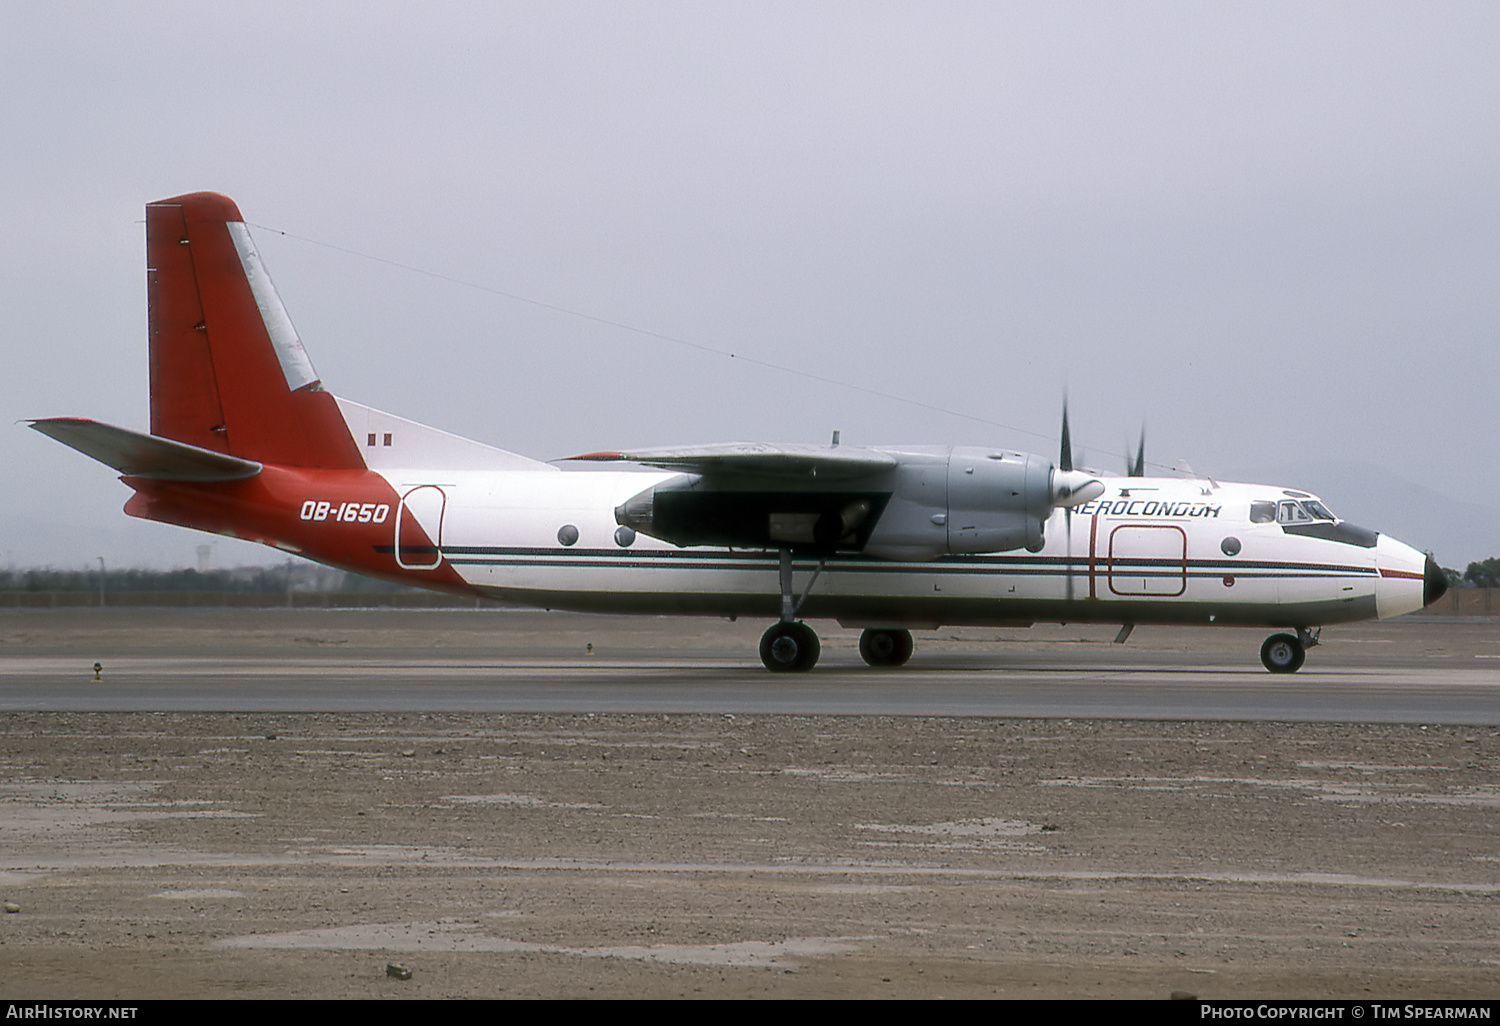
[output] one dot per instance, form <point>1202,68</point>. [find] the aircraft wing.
<point>757,459</point>
<point>136,455</point>
<point>754,495</point>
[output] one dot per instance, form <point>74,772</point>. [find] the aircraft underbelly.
<point>924,611</point>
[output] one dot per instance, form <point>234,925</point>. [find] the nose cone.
<point>1409,578</point>
<point>1434,582</point>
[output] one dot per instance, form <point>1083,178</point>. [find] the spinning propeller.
<point>1072,487</point>
<point>1069,488</point>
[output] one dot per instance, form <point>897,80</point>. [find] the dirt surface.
<point>164,855</point>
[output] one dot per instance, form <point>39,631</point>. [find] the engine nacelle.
<point>925,503</point>
<point>997,501</point>
<point>964,501</point>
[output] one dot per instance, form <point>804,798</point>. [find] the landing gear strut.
<point>790,646</point>
<point>1285,653</point>
<point>883,647</point>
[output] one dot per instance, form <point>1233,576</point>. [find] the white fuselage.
<point>1150,550</point>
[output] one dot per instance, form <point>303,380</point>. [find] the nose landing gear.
<point>1285,653</point>
<point>1282,653</point>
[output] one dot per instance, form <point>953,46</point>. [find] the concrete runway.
<point>1441,670</point>
<point>279,803</point>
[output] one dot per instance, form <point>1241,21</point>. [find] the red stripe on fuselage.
<point>1407,574</point>
<point>272,508</point>
<point>1093,554</point>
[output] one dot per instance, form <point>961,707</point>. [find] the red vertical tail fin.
<point>228,371</point>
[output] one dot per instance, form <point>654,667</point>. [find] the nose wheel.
<point>789,647</point>
<point>1283,653</point>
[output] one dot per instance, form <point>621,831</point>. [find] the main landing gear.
<point>882,647</point>
<point>791,646</point>
<point>1285,653</point>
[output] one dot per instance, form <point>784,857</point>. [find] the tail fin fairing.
<point>392,442</point>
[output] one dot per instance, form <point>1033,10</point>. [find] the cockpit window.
<point>1289,511</point>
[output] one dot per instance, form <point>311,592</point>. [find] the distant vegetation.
<point>1484,574</point>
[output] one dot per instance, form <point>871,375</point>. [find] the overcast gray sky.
<point>1269,231</point>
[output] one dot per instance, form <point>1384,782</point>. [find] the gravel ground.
<point>161,855</point>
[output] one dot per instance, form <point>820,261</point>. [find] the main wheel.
<point>884,647</point>
<point>1282,653</point>
<point>789,648</point>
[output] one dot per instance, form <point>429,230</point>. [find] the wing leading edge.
<point>757,459</point>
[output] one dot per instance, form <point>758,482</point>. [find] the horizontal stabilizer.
<point>759,459</point>
<point>136,455</point>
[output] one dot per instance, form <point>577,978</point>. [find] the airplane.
<point>245,441</point>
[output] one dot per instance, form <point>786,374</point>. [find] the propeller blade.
<point>1069,486</point>
<point>1138,468</point>
<point>1068,526</point>
<point>1065,460</point>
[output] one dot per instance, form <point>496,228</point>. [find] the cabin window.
<point>1263,512</point>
